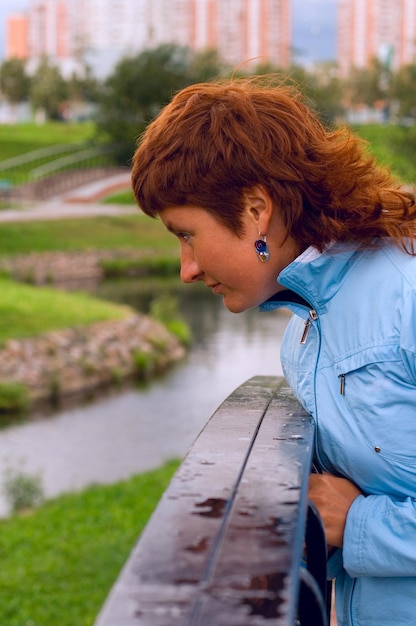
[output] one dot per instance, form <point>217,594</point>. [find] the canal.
<point>129,431</point>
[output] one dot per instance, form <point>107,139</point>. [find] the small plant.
<point>145,266</point>
<point>145,363</point>
<point>54,389</point>
<point>165,309</point>
<point>14,398</point>
<point>181,330</point>
<point>116,376</point>
<point>160,344</point>
<point>22,491</point>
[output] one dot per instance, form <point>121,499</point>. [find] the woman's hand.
<point>333,497</point>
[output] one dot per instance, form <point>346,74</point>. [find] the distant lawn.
<point>392,145</point>
<point>59,563</point>
<point>27,311</point>
<point>104,232</point>
<point>22,139</point>
<point>16,139</point>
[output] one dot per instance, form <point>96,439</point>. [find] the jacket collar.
<point>313,278</point>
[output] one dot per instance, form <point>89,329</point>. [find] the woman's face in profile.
<point>227,263</point>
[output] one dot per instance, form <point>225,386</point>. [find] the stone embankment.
<point>73,362</point>
<point>40,268</point>
<point>76,361</point>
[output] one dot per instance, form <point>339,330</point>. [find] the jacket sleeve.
<point>408,335</point>
<point>380,533</point>
<point>380,537</point>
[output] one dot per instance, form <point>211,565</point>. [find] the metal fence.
<point>42,173</point>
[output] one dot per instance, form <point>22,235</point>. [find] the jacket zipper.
<point>313,316</point>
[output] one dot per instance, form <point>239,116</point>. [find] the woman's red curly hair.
<point>213,141</point>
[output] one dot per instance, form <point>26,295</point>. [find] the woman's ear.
<point>258,207</point>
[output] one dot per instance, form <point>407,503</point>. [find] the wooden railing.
<point>228,541</point>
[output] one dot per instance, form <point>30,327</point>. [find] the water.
<point>138,429</point>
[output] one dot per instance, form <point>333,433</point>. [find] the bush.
<point>165,309</point>
<point>22,491</point>
<point>14,398</point>
<point>147,266</point>
<point>146,364</point>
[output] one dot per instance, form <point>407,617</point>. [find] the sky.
<point>313,27</point>
<point>313,23</point>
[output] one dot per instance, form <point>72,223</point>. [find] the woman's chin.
<point>236,306</point>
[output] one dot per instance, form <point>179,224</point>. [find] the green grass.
<point>122,197</point>
<point>393,146</point>
<point>27,311</point>
<point>104,232</point>
<point>21,138</point>
<point>59,563</point>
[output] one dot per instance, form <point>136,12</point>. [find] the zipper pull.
<point>312,316</point>
<point>342,384</point>
<point>305,331</point>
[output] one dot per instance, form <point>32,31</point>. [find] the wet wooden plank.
<point>224,545</point>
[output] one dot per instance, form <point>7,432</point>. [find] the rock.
<point>77,360</point>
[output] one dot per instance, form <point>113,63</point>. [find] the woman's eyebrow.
<point>174,229</point>
<point>170,227</point>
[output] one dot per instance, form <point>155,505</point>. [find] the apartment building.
<point>244,31</point>
<point>382,29</point>
<point>102,31</point>
<point>17,37</point>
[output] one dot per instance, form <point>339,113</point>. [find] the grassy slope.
<point>20,138</point>
<point>58,564</point>
<point>26,311</point>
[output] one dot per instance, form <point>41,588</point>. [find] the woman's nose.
<point>190,270</point>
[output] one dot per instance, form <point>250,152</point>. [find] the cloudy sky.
<point>313,27</point>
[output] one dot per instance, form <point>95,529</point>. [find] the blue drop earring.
<point>262,249</point>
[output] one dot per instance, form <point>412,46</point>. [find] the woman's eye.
<point>185,236</point>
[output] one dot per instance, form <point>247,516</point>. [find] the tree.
<point>367,85</point>
<point>84,88</point>
<point>321,90</point>
<point>207,65</point>
<point>325,94</point>
<point>403,91</point>
<point>48,90</point>
<point>83,92</point>
<point>14,82</point>
<point>140,86</point>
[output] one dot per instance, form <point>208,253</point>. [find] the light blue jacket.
<point>349,355</point>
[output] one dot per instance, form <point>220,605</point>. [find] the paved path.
<point>81,202</point>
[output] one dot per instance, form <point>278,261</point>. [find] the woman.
<point>271,209</point>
